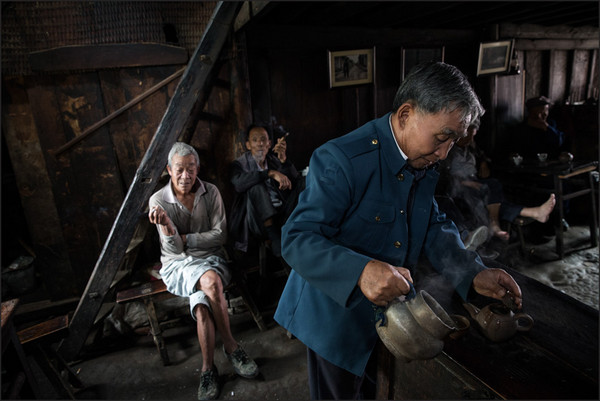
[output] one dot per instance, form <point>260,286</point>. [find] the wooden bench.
<point>39,339</point>
<point>156,290</point>
<point>150,292</point>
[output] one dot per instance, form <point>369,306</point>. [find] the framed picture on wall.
<point>494,57</point>
<point>351,67</point>
<point>417,55</point>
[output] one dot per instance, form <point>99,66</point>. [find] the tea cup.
<point>517,159</point>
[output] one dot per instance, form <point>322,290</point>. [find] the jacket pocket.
<point>373,225</point>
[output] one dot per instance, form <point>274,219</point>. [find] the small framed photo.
<point>494,57</point>
<point>351,67</point>
<point>414,56</point>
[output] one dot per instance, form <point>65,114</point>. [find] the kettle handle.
<point>380,310</point>
<point>523,316</point>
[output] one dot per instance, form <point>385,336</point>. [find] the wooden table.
<point>556,359</point>
<point>550,177</point>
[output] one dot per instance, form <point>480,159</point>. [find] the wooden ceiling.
<point>430,14</point>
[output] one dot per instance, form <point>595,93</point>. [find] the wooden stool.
<point>149,292</point>
<point>153,291</point>
<point>39,339</point>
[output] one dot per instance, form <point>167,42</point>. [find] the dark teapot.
<point>498,322</point>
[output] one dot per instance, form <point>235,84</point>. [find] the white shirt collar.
<point>169,195</point>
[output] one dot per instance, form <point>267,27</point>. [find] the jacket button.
<point>377,218</point>
<point>400,176</point>
<point>397,244</point>
<point>374,141</point>
<point>401,211</point>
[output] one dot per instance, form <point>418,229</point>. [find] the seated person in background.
<point>191,222</point>
<point>471,235</point>
<point>482,194</point>
<point>538,134</point>
<point>267,186</point>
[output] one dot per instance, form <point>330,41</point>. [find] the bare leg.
<point>494,212</point>
<point>541,212</point>
<point>206,335</point>
<point>211,284</point>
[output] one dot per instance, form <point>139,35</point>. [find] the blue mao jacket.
<point>354,209</point>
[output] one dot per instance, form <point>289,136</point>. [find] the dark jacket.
<point>244,175</point>
<point>354,209</point>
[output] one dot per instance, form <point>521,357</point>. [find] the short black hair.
<point>258,125</point>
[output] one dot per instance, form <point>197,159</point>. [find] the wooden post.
<point>174,122</point>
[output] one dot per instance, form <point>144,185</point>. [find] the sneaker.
<point>476,238</point>
<point>242,363</point>
<point>209,384</point>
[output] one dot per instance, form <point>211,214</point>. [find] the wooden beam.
<point>174,122</point>
<point>248,10</point>
<point>35,189</point>
<point>556,44</point>
<point>532,31</point>
<point>97,57</point>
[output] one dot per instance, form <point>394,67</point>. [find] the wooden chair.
<point>517,225</point>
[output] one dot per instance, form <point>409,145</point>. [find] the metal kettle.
<point>414,328</point>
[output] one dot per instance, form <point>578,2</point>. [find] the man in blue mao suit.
<point>366,215</point>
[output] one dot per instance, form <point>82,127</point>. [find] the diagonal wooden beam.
<point>174,122</point>
<point>116,113</point>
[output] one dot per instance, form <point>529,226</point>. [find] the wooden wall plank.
<point>557,86</point>
<point>85,180</point>
<point>579,75</point>
<point>35,190</point>
<point>533,69</point>
<point>100,56</point>
<point>592,87</point>
<point>94,182</point>
<point>132,132</point>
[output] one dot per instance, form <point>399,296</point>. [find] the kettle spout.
<point>472,309</point>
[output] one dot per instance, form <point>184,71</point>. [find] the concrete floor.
<point>129,367</point>
<point>137,372</point>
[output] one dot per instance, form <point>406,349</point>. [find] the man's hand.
<point>494,283</point>
<point>158,216</point>
<point>381,282</point>
<point>280,148</point>
<point>282,179</point>
<point>539,122</point>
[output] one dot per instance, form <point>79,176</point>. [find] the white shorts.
<point>181,277</point>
